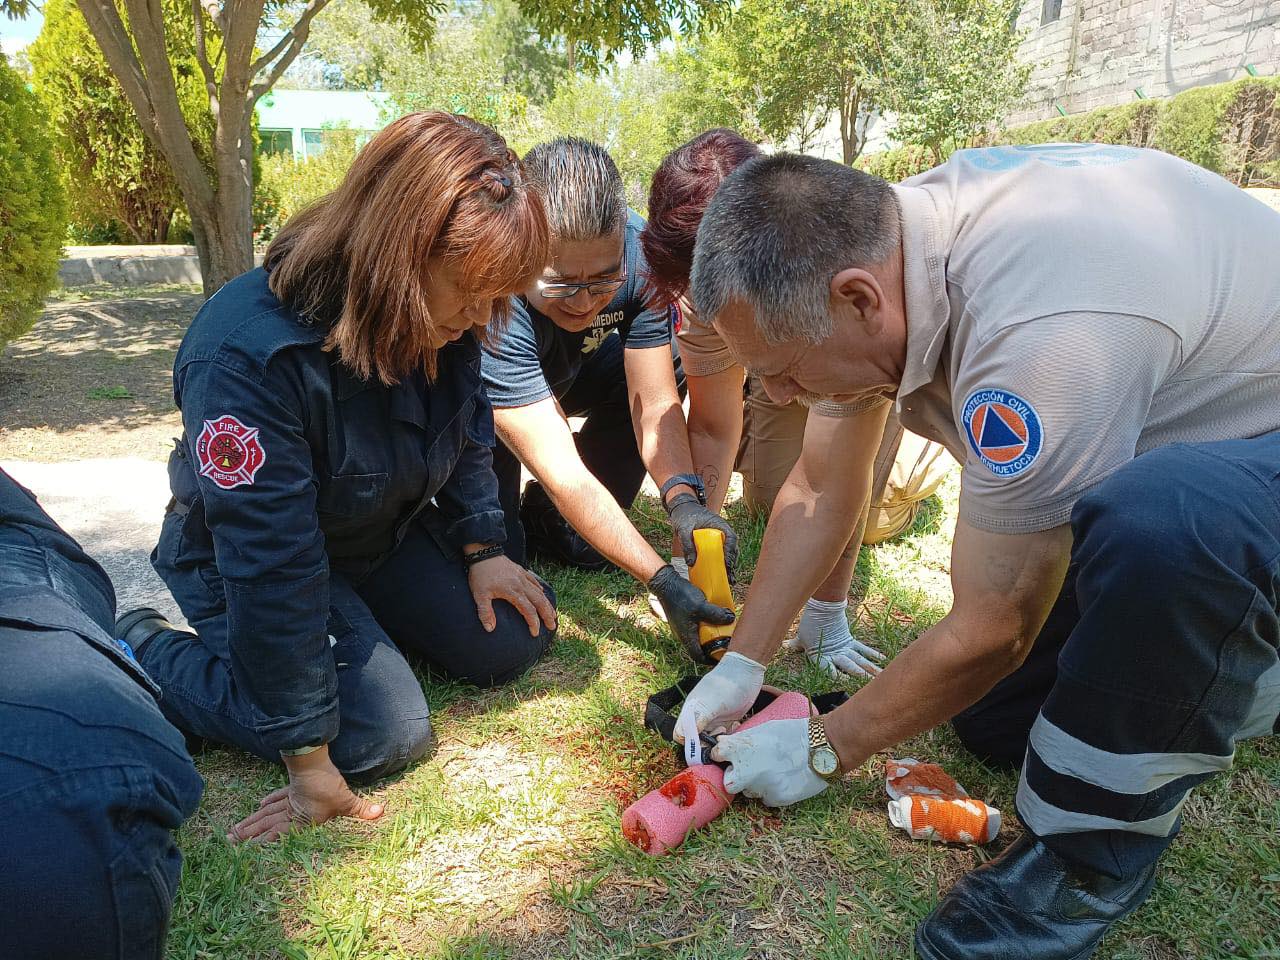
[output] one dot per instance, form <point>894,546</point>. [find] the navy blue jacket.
<point>291,467</point>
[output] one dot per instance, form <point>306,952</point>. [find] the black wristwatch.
<point>688,479</point>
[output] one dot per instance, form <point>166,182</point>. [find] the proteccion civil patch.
<point>1004,430</point>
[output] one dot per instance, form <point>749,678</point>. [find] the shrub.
<point>284,185</point>
<point>895,165</point>
<point>1188,125</point>
<point>1229,128</point>
<point>115,175</point>
<point>33,216</point>
<point>1250,126</point>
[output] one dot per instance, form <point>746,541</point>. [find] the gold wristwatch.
<point>823,759</point>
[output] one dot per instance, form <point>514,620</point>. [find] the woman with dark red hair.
<point>763,439</point>
<point>334,502</point>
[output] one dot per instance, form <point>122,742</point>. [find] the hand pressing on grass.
<point>825,638</point>
<point>316,794</point>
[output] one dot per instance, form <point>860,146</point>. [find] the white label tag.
<point>693,749</point>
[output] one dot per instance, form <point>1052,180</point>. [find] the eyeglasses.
<point>596,288</point>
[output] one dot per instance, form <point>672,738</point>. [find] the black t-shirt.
<point>535,359</point>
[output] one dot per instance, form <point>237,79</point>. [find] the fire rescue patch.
<point>230,453</point>
<point>1004,431</point>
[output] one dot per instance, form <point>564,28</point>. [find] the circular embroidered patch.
<point>230,453</point>
<point>1004,431</point>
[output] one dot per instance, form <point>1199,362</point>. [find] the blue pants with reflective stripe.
<point>1160,654</point>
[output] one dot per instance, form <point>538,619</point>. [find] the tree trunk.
<point>224,249</point>
<point>221,207</point>
<point>227,226</point>
<point>850,139</point>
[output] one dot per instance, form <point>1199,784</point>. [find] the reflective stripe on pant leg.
<point>1264,716</point>
<point>1178,558</point>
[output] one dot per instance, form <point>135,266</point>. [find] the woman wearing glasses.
<point>586,339</point>
<point>334,503</point>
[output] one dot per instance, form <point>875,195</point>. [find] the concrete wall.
<point>131,265</point>
<point>1098,51</point>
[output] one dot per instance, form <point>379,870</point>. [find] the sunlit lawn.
<point>506,842</point>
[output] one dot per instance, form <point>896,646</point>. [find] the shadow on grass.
<point>508,845</point>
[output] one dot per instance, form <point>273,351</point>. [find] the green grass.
<point>109,393</point>
<point>91,292</point>
<point>506,843</point>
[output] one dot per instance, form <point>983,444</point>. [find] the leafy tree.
<point>117,173</point>
<point>530,64</point>
<point>780,70</point>
<point>709,90</point>
<point>32,211</point>
<point>352,49</point>
<point>355,50</point>
<point>952,70</point>
<point>236,76</point>
<point>635,111</point>
<point>594,31</point>
<point>457,72</point>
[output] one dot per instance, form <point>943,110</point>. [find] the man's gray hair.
<point>582,188</point>
<point>776,232</point>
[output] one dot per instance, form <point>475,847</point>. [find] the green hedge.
<point>33,216</point>
<point>284,185</point>
<point>1229,128</point>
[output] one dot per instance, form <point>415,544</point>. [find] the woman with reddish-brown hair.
<point>334,504</point>
<point>730,426</point>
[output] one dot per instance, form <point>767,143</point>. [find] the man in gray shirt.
<point>1094,332</point>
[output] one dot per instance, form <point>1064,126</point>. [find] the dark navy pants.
<point>93,780</point>
<point>606,441</point>
<point>417,602</point>
<point>1160,654</point>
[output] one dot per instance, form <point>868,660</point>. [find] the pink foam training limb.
<point>661,819</point>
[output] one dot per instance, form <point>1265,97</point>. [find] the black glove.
<point>688,515</point>
<point>686,607</point>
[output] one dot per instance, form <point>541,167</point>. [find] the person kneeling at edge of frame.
<point>334,504</point>
<point>93,780</point>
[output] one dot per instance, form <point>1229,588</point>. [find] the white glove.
<point>770,762</point>
<point>824,636</point>
<point>722,696</point>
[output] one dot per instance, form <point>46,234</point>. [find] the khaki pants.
<point>908,469</point>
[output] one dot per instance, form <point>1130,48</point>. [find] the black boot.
<point>1028,903</point>
<point>139,627</point>
<point>549,536</point>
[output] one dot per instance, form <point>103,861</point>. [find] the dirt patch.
<point>93,378</point>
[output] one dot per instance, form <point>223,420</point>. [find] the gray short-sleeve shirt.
<point>1071,306</point>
